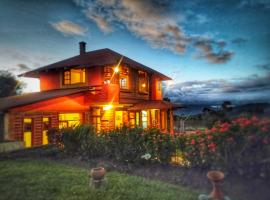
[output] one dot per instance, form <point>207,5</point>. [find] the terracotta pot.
<point>216,177</point>
<point>98,173</point>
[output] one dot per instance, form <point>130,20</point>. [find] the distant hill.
<point>262,109</point>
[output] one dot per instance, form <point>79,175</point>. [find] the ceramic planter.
<point>98,173</point>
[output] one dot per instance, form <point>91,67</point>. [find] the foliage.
<point>239,144</point>
<point>9,84</point>
<point>233,145</point>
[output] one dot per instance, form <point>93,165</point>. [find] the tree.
<point>9,85</point>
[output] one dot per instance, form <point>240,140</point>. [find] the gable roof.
<point>99,57</point>
<point>28,98</point>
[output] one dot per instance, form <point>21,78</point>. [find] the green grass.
<point>25,179</point>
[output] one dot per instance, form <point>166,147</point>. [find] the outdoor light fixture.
<point>116,69</point>
<point>107,82</point>
<point>107,107</point>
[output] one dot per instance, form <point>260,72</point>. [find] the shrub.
<point>241,143</point>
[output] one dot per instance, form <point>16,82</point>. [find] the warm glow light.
<point>143,85</point>
<point>107,82</point>
<point>107,107</point>
<point>31,84</point>
<point>116,69</point>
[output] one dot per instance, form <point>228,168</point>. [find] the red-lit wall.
<point>155,93</point>
<point>95,76</point>
<point>69,103</point>
<point>49,80</point>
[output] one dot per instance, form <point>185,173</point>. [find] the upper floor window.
<point>143,82</point>
<point>124,78</point>
<point>117,75</point>
<point>74,76</point>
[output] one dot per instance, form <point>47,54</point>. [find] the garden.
<point>154,164</point>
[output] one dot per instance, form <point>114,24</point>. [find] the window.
<point>69,120</point>
<point>74,76</point>
<point>123,83</point>
<point>143,82</point>
<point>124,78</point>
<point>144,119</point>
<point>132,119</point>
<point>96,119</point>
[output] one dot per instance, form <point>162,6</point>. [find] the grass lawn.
<point>28,179</point>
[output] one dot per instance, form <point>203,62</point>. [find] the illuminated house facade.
<point>100,87</point>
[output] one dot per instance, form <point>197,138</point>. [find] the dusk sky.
<point>214,50</point>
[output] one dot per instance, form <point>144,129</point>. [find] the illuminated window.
<point>137,119</point>
<point>74,76</point>
<point>96,122</point>
<point>144,119</point>
<point>143,82</point>
<point>123,83</point>
<point>69,120</point>
<point>124,78</point>
<point>132,119</point>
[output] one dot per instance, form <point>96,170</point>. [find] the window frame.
<point>67,77</point>
<point>143,80</point>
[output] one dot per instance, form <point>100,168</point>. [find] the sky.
<point>214,50</point>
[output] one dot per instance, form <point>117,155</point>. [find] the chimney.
<point>82,47</point>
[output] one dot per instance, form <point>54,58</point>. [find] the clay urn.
<point>216,177</point>
<point>98,173</point>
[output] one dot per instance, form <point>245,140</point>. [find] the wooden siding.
<point>49,80</point>
<point>16,125</point>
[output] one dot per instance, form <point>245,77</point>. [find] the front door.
<point>118,119</point>
<point>27,132</point>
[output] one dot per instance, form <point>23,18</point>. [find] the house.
<point>100,87</point>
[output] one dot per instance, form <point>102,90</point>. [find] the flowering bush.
<point>232,145</point>
<point>239,144</point>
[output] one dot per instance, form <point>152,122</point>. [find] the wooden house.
<point>100,87</point>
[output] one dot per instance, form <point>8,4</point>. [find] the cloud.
<point>69,28</point>
<point>265,66</point>
<point>23,67</point>
<point>101,23</point>
<point>154,21</point>
<point>264,4</point>
<point>206,50</point>
<point>247,88</point>
<point>239,41</point>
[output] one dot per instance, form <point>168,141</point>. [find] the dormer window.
<point>143,82</point>
<point>74,76</point>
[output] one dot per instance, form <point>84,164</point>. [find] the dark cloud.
<point>264,4</point>
<point>152,20</point>
<point>265,66</point>
<point>206,51</point>
<point>252,87</point>
<point>23,67</point>
<point>239,41</point>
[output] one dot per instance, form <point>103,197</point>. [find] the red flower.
<point>212,147</point>
<point>255,119</point>
<point>198,132</point>
<point>209,137</point>
<point>192,142</point>
<point>223,129</point>
<point>213,130</point>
